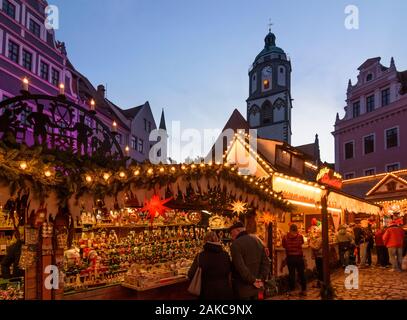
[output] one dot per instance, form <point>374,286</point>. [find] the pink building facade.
<point>29,50</point>
<point>371,138</point>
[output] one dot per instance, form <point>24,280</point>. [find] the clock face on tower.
<point>267,71</point>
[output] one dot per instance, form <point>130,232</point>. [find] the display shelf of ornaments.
<point>103,254</point>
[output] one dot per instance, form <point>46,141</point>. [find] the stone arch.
<point>279,110</point>
<point>254,116</point>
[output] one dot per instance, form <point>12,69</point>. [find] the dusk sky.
<point>192,57</point>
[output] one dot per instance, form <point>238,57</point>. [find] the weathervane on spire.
<point>270,24</point>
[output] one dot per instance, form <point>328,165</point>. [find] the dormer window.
<point>369,77</point>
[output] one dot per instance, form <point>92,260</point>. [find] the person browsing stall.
<point>251,265</point>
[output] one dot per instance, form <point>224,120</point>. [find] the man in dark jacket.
<point>250,263</point>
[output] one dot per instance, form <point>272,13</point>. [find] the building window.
<point>385,97</point>
<point>149,126</point>
<point>356,109</point>
<point>145,124</point>
<point>393,167</point>
<point>392,138</point>
<point>35,28</point>
<point>349,152</point>
<point>9,9</point>
<point>369,144</point>
<point>370,103</point>
<point>13,51</point>
<point>140,145</point>
<point>369,77</point>
<point>349,176</point>
<point>27,60</point>
<point>370,172</point>
<point>55,77</point>
<point>44,71</point>
<point>267,113</point>
<point>134,143</point>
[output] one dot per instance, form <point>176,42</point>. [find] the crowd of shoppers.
<point>244,274</point>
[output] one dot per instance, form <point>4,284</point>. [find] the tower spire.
<point>270,25</point>
<point>163,126</point>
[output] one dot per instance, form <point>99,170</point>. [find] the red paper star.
<point>155,207</point>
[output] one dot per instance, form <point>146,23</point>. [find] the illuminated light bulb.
<point>173,169</point>
<point>61,89</point>
<point>23,165</point>
<point>47,173</point>
<point>161,170</point>
<point>183,167</point>
<point>150,171</point>
<point>92,105</point>
<point>127,149</point>
<point>114,126</point>
<point>202,165</point>
<point>193,166</point>
<point>251,180</point>
<point>106,176</point>
<point>136,172</point>
<point>122,174</point>
<point>25,83</point>
<point>88,179</point>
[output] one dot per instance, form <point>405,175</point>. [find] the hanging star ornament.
<point>266,218</point>
<point>155,207</point>
<point>239,207</point>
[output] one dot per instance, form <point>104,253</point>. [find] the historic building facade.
<point>269,103</point>
<point>29,50</point>
<point>371,138</point>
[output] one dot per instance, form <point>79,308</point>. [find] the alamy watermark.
<point>352,18</point>
<point>51,17</point>
<point>352,280</point>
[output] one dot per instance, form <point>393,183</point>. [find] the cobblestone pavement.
<point>375,283</point>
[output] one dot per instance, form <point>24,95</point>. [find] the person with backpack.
<point>293,243</point>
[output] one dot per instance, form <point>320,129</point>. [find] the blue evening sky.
<point>191,57</point>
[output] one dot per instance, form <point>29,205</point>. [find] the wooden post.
<point>325,292</point>
<point>271,247</point>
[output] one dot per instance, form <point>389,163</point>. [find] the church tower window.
<point>267,113</point>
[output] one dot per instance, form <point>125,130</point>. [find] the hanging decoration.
<point>155,207</point>
<point>266,218</point>
<point>239,207</point>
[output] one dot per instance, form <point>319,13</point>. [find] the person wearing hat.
<point>251,266</point>
<point>393,239</point>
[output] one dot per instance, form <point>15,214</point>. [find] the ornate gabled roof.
<point>369,62</point>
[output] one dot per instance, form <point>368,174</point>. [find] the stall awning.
<point>352,204</point>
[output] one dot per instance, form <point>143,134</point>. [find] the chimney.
<point>101,91</point>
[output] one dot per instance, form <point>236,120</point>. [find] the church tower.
<point>269,103</point>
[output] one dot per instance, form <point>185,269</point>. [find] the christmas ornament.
<point>155,207</point>
<point>266,218</point>
<point>239,207</point>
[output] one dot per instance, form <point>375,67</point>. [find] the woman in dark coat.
<point>216,270</point>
